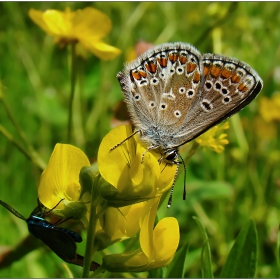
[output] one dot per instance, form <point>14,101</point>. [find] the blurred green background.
<point>224,190</point>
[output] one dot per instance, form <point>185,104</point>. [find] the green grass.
<point>224,190</point>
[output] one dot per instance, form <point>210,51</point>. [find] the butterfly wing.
<point>228,85</point>
<point>155,83</point>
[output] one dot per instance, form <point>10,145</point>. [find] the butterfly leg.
<point>150,148</point>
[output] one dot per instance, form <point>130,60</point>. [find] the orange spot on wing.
<point>190,67</point>
<point>196,77</point>
<point>206,70</point>
<point>235,78</point>
<point>173,57</point>
<point>242,87</point>
<point>215,71</point>
<point>225,73</point>
<point>136,75</point>
<point>162,61</point>
<point>143,74</point>
<point>182,59</point>
<point>151,67</point>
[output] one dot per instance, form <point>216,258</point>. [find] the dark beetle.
<point>60,240</point>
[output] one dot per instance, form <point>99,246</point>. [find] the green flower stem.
<point>93,218</point>
<point>72,92</point>
<point>29,151</point>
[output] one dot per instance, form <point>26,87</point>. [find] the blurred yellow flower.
<point>212,140</point>
<point>131,179</point>
<point>60,179</point>
<point>265,130</point>
<point>269,115</point>
<point>158,244</point>
<point>86,27</point>
<point>270,108</point>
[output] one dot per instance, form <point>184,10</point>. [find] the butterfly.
<point>174,94</point>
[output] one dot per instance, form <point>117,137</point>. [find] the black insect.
<point>60,240</point>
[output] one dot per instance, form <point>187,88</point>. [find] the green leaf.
<point>243,256</point>
<point>202,190</point>
<point>205,253</point>
<point>177,267</point>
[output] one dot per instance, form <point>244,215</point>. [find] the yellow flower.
<point>131,179</point>
<point>208,139</point>
<point>87,27</point>
<point>265,130</point>
<point>60,179</point>
<point>158,244</point>
<point>118,224</point>
<point>270,108</point>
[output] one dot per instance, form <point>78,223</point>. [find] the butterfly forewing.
<point>155,84</point>
<point>228,85</point>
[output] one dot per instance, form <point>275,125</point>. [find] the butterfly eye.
<point>171,156</point>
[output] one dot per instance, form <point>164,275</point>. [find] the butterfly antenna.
<point>131,135</point>
<point>172,189</point>
<point>185,177</point>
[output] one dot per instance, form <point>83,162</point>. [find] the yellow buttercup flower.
<point>132,178</point>
<point>212,139</point>
<point>86,27</point>
<point>60,179</point>
<point>158,244</point>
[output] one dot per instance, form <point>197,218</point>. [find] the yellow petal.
<point>147,225</point>
<point>37,17</point>
<point>59,23</point>
<point>100,49</point>
<point>91,22</point>
<point>112,164</point>
<point>61,177</point>
<point>166,239</point>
